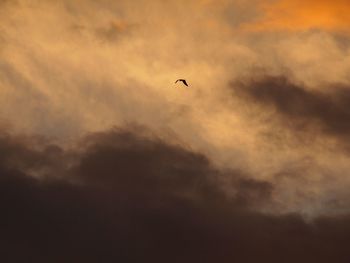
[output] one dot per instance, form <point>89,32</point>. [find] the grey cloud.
<point>299,107</point>
<point>137,198</point>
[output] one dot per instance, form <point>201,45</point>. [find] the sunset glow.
<point>104,157</point>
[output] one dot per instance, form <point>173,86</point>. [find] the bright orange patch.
<point>303,15</point>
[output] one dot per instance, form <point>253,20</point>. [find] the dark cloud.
<point>299,107</point>
<point>134,198</point>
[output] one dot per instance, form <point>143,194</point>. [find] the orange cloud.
<point>302,15</point>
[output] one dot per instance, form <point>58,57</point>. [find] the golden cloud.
<point>298,15</point>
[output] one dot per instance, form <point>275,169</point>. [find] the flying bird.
<point>183,81</point>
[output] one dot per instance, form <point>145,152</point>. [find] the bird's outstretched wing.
<point>183,81</point>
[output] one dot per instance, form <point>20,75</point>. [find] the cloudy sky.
<point>103,158</point>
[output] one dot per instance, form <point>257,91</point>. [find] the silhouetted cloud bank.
<point>130,197</point>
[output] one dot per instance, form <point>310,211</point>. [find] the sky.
<point>103,158</point>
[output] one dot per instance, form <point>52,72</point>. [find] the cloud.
<point>295,15</point>
<point>136,198</point>
<point>301,107</point>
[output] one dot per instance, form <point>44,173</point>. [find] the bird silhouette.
<point>183,81</point>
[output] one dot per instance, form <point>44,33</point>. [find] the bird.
<point>183,81</point>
